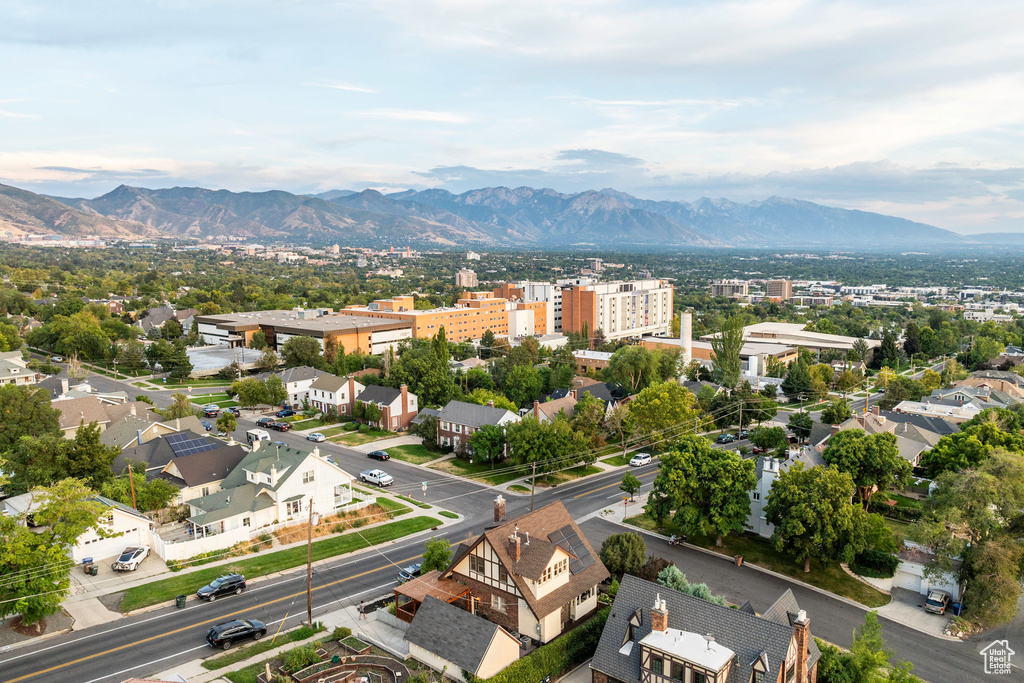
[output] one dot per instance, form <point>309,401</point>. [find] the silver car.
<point>316,436</point>
<point>130,559</point>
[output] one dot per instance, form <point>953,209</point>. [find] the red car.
<point>757,450</point>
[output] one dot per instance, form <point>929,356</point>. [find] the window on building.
<point>294,507</point>
<point>307,477</point>
<point>502,574</point>
<point>698,677</point>
<point>477,564</point>
<point>657,664</point>
<point>206,490</point>
<point>497,602</point>
<point>757,496</point>
<point>678,672</point>
<point>245,521</point>
<point>758,677</point>
<point>791,673</point>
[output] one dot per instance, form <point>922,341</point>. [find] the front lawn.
<point>309,424</point>
<point>355,438</point>
<point>756,550</point>
<point>333,431</point>
<point>617,460</point>
<point>393,506</point>
<point>417,454</point>
<point>164,590</point>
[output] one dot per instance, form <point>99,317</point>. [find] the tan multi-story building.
<point>619,309</point>
<point>729,288</point>
<point>466,278</point>
<point>779,289</point>
<point>475,313</point>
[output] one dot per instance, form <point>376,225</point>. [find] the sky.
<point>914,109</point>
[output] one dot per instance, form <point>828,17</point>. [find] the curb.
<point>34,641</point>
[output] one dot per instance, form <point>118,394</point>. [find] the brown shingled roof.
<point>75,411</point>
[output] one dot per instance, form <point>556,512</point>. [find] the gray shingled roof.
<point>376,393</point>
<point>472,414</point>
<point>329,383</point>
<point>451,633</point>
<point>747,635</point>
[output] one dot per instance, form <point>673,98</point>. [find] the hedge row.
<point>558,656</point>
<point>875,564</point>
<point>904,514</point>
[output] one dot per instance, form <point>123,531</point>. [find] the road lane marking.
<point>617,483</point>
<point>224,617</point>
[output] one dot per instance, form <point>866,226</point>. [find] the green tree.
<point>813,515</point>
<point>181,406</point>
<point>621,424</point>
<point>563,368</point>
<point>725,353</point>
<point>372,414</point>
<point>171,330</point>
<point>268,361</point>
<point>873,460</point>
<point>258,340</point>
<point>437,555</point>
<point>488,442</point>
<point>523,385</point>
<point>635,367</point>
<point>801,425</point>
<point>847,382</point>
<point>487,344</point>
<point>39,461</point>
<point>150,494</point>
<point>771,439</point>
<point>227,422</point>
<point>250,392</point>
<point>588,418</point>
<point>302,350</point>
<point>25,411</point>
<point>276,391</point>
<point>836,412</point>
<point>131,356</point>
<point>180,366</point>
<point>667,405</point>
<point>912,339</point>
<point>623,553</point>
<point>889,350</point>
<point>860,351</point>
<point>630,484</point>
<point>34,561</point>
<point>671,577</point>
<point>707,487</point>
<point>482,396</point>
<point>797,381</point>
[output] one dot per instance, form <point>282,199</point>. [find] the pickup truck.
<point>378,477</point>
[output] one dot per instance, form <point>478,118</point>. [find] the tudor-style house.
<point>457,421</point>
<point>536,575</point>
<point>328,392</point>
<point>658,635</point>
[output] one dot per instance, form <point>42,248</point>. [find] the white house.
<point>297,382</point>
<point>122,527</point>
<point>273,484</point>
<point>14,369</point>
<point>767,472</point>
<point>339,393</point>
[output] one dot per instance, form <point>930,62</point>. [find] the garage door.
<point>103,548</point>
<point>912,582</point>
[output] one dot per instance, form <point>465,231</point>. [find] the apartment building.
<point>474,314</point>
<point>619,309</point>
<point>730,288</point>
<point>466,278</point>
<point>778,289</point>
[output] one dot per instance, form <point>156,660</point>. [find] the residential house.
<point>458,420</point>
<point>1009,383</point>
<point>591,361</point>
<point>153,455</point>
<point>201,474</point>
<point>297,382</point>
<point>536,575</point>
<point>397,407</point>
<point>273,484</point>
<point>84,389</point>
<point>120,526</point>
<point>157,317</point>
<point>136,422</point>
<point>767,471</point>
<point>14,370</point>
<point>449,639</point>
<point>57,386</point>
<point>330,393</point>
<point>549,410</point>
<point>658,635</point>
<point>910,572</point>
<point>75,412</point>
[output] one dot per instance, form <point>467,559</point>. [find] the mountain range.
<point>488,217</point>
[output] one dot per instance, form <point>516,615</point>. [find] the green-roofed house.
<point>274,484</point>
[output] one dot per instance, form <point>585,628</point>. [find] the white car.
<point>57,359</point>
<point>640,459</point>
<point>316,436</point>
<point>378,477</point>
<point>130,559</point>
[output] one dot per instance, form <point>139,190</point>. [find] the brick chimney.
<point>515,546</point>
<point>802,633</point>
<point>536,410</point>
<point>572,392</point>
<point>490,403</point>
<point>834,431</point>
<point>875,410</point>
<point>499,509</point>
<point>351,390</point>
<point>659,615</point>
<point>405,399</point>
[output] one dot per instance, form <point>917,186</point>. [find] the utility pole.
<point>533,485</point>
<point>309,566</point>
<point>131,482</point>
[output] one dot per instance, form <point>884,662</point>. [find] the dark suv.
<point>230,632</point>
<point>280,426</point>
<point>222,585</point>
<point>264,421</point>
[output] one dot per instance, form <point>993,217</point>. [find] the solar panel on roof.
<point>184,443</point>
<point>567,539</point>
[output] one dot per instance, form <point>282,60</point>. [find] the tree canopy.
<point>873,460</point>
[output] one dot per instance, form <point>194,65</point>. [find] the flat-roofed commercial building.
<point>778,289</point>
<point>475,313</point>
<point>466,278</point>
<point>619,309</point>
<point>794,335</point>
<point>333,331</point>
<point>730,288</point>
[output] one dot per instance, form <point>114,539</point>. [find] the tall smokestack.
<point>686,336</point>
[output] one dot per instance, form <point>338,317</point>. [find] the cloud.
<point>598,157</point>
<point>348,87</point>
<point>16,115</point>
<point>416,115</point>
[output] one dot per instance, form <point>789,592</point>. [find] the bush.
<point>341,633</point>
<point>301,657</point>
<point>876,564</point>
<point>835,665</point>
<point>558,656</point>
<point>351,426</point>
<point>364,428</point>
<point>898,512</point>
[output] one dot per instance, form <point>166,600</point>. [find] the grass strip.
<point>755,550</point>
<point>425,506</point>
<point>448,514</point>
<point>416,454</point>
<point>616,460</point>
<point>165,590</point>
<point>308,424</point>
<point>270,643</point>
<point>393,506</point>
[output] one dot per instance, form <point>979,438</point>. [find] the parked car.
<point>130,559</point>
<point>743,434</point>
<point>211,412</point>
<point>280,426</point>
<point>287,412</point>
<point>640,459</point>
<point>937,602</point>
<point>725,438</point>
<point>222,585</point>
<point>316,436</point>
<point>226,634</point>
<point>234,411</point>
<point>378,477</point>
<point>206,425</point>
<point>757,450</point>
<point>378,455</point>
<point>57,359</point>
<point>409,573</point>
<point>264,421</point>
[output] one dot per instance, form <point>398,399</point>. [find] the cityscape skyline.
<point>910,111</point>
